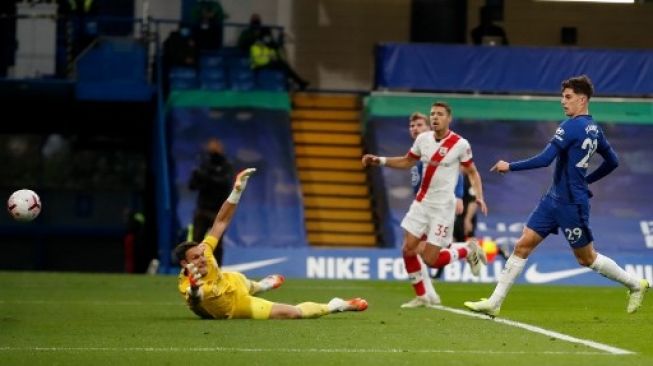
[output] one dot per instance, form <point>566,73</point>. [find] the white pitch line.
<point>536,329</point>
<point>286,350</point>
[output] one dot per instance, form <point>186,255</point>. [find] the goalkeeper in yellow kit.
<point>213,294</point>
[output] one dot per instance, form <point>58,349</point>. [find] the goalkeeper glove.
<point>239,185</point>
<point>195,280</point>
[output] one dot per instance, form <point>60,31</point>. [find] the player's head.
<point>191,252</point>
<point>417,123</point>
<point>576,94</point>
<point>440,117</point>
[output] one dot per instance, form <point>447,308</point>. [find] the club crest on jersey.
<point>592,130</point>
<point>443,151</point>
<point>559,134</point>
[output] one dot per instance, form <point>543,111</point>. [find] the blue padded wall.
<point>270,213</point>
<point>511,69</point>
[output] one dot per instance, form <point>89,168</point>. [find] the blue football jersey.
<point>416,176</point>
<point>577,139</point>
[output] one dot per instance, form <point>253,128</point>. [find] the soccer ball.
<point>24,205</point>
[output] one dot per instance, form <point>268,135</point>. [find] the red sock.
<point>462,252</point>
<point>443,259</point>
<point>446,256</point>
<point>414,269</point>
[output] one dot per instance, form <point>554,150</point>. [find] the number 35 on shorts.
<point>441,230</point>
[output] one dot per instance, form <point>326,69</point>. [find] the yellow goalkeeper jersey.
<point>220,290</point>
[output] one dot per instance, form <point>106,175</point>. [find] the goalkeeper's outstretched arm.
<point>226,213</point>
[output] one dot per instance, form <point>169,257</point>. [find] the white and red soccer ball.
<point>24,205</point>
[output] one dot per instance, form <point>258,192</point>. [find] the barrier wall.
<point>461,68</point>
<point>387,264</point>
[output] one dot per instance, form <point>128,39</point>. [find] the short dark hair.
<point>179,253</point>
<point>580,85</point>
<point>418,115</point>
<point>444,105</point>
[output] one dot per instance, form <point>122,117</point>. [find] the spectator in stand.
<point>208,23</point>
<point>265,51</point>
<point>179,50</point>
<point>251,34</point>
<point>488,33</point>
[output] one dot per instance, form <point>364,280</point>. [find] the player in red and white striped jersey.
<point>443,154</point>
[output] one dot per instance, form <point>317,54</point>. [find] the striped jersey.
<point>441,161</point>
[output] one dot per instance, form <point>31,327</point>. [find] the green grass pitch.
<point>83,319</point>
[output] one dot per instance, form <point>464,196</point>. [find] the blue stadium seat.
<point>183,78</point>
<point>241,76</point>
<point>212,71</point>
<point>243,85</point>
<point>231,52</point>
<point>216,85</point>
<point>211,60</point>
<point>274,80</point>
<point>213,79</point>
<point>238,63</point>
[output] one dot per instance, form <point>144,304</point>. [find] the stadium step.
<point>333,101</point>
<point>329,214</point>
<point>324,138</point>
<point>322,201</point>
<point>325,114</point>
<point>310,188</point>
<point>306,175</point>
<point>331,126</point>
<point>329,151</point>
<point>329,163</point>
<point>338,239</point>
<point>341,227</point>
<point>328,148</point>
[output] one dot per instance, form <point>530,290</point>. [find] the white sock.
<point>266,283</point>
<point>458,245</point>
<point>336,304</point>
<point>426,279</point>
<point>609,269</point>
<point>514,266</point>
<point>453,254</point>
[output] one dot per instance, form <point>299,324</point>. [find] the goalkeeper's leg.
<point>307,310</point>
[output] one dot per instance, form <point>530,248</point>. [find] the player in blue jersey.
<point>566,204</point>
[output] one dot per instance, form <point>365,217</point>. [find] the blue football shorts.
<point>572,218</point>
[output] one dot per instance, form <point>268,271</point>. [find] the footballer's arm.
<point>470,170</point>
<point>222,219</point>
<point>228,208</point>
<point>399,162</point>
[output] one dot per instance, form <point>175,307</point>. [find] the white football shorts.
<point>435,221</point>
